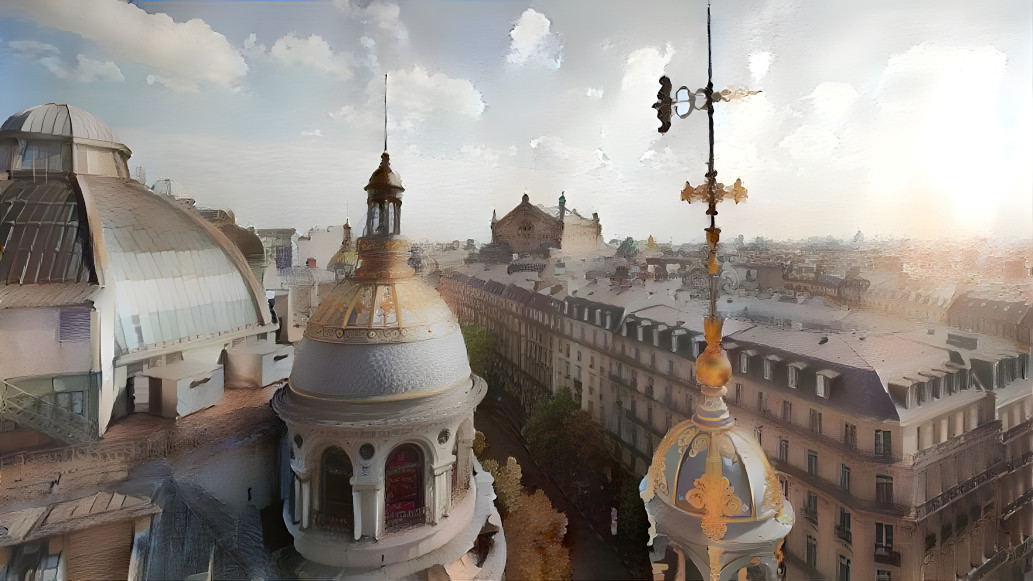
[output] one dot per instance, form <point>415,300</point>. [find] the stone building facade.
<point>531,229</point>
<point>907,454</point>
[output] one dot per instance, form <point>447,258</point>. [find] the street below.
<point>590,555</point>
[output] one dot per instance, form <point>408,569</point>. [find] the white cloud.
<point>594,93</point>
<point>313,52</point>
<point>810,143</point>
<point>668,160</point>
<point>252,48</point>
<point>532,42</point>
<point>416,95</point>
<point>482,154</point>
<point>49,57</point>
<point>832,101</point>
<point>642,69</point>
<point>184,55</point>
<point>382,14</point>
<point>313,133</point>
<point>759,63</point>
<point>553,154</point>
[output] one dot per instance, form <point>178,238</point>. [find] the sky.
<point>902,119</point>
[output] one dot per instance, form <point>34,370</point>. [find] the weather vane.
<point>712,367</point>
<point>711,191</point>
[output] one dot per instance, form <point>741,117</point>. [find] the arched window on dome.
<point>404,498</point>
<point>336,507</point>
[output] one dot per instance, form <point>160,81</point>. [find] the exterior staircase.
<point>30,411</point>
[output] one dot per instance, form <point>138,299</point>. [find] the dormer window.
<point>822,387</point>
<point>767,369</point>
<point>793,376</point>
<point>744,363</point>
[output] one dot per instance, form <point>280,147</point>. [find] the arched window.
<point>403,488</point>
<point>336,506</point>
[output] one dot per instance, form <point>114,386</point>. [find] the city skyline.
<point>274,110</point>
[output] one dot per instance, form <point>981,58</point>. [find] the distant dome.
<point>59,120</point>
<point>170,187</point>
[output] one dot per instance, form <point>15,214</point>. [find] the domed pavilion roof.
<point>59,120</point>
<point>383,332</point>
<point>680,477</point>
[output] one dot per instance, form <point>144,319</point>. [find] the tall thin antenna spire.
<point>385,111</point>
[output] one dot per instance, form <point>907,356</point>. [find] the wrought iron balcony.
<point>886,555</point>
<point>811,514</point>
<point>844,533</point>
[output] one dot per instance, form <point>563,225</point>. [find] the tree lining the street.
<point>534,529</point>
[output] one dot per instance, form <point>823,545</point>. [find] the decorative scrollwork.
<point>715,497</point>
<point>699,444</point>
<point>701,193</point>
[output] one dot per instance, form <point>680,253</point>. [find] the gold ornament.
<point>716,499</point>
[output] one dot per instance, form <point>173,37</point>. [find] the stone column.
<point>441,493</point>
<point>368,507</point>
<point>306,501</point>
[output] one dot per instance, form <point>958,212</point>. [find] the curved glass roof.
<point>43,235</point>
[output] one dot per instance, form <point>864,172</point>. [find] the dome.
<point>59,120</point>
<point>384,338</point>
<point>382,333</point>
<point>170,187</point>
<point>384,176</point>
<point>679,475</point>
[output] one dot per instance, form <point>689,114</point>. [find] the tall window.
<point>883,443</point>
<point>744,363</point>
<point>758,432</point>
<point>850,435</point>
<point>787,411</point>
<point>883,538</point>
<point>794,376</point>
<point>783,450</point>
<point>738,394</point>
<point>844,569</point>
<point>883,489</point>
<point>767,369</point>
<point>403,488</point>
<point>844,477</point>
<point>812,502</point>
<point>812,551</point>
<point>336,506</point>
<point>812,462</point>
<point>815,421</point>
<point>760,402</point>
<point>843,525</point>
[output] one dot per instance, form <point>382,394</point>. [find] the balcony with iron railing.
<point>838,494</point>
<point>1016,431</point>
<point>810,514</point>
<point>999,558</point>
<point>954,493</point>
<point>844,534</point>
<point>885,555</point>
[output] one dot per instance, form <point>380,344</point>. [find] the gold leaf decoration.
<point>715,497</point>
<point>701,193</point>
